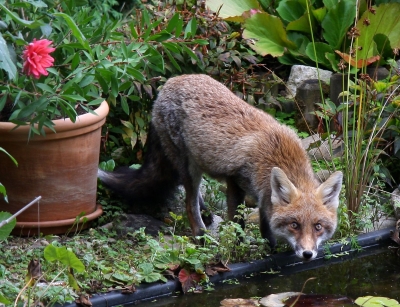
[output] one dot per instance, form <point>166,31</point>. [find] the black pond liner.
<point>286,262</point>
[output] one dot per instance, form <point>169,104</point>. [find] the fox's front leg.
<point>265,228</point>
<point>234,197</point>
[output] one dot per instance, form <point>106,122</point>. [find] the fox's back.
<point>223,133</point>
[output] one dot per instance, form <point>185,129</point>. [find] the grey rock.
<point>300,73</point>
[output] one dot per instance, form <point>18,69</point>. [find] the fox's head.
<point>304,218</point>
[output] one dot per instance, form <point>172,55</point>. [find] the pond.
<point>373,272</point>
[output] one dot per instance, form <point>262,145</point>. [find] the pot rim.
<point>64,127</point>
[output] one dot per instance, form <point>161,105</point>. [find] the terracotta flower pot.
<point>61,167</point>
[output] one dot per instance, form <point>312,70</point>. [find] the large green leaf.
<point>302,24</point>
<point>232,9</point>
<point>317,52</point>
<point>290,10</point>
<point>337,22</point>
<point>268,34</point>
<point>319,14</point>
<point>386,21</point>
<point>65,256</point>
<point>6,62</point>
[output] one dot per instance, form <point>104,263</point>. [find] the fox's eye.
<point>294,225</point>
<point>318,227</point>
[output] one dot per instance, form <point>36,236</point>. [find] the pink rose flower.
<point>37,59</point>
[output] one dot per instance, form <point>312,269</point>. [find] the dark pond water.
<point>358,275</point>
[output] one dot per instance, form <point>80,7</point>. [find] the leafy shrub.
<point>316,33</point>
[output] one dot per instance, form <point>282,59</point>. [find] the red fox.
<point>199,126</point>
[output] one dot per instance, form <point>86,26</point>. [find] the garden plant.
<point>100,52</point>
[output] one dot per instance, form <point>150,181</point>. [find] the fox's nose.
<point>307,254</point>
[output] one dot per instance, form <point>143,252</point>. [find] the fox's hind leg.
<point>191,182</point>
<point>234,197</point>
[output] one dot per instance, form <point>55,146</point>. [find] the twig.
<point>20,211</point>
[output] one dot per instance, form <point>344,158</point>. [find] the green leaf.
<point>36,3</point>
<point>45,87</point>
<point>302,24</point>
<point>319,14</point>
<point>4,300</point>
<point>337,22</point>
<point>114,86</point>
<point>3,100</point>
<point>6,229</point>
<point>75,31</point>
<point>290,10</point>
<point>10,156</point>
<point>329,4</point>
<point>385,21</point>
<point>376,301</point>
<point>103,83</point>
<point>139,121</point>
<point>6,62</point>
<point>173,23</point>
<point>26,23</point>
<point>172,60</point>
<point>321,49</point>
<point>191,27</point>
<point>29,109</point>
<point>133,30</point>
<point>124,105</point>
<point>72,282</point>
<point>73,98</point>
<point>66,257</point>
<point>268,33</point>
<point>232,10</point>
<point>87,79</point>
<point>160,37</point>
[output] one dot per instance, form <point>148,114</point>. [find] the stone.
<point>395,201</point>
<point>300,73</point>
<point>319,149</point>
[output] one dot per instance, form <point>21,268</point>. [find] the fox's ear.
<point>329,190</point>
<point>282,189</point>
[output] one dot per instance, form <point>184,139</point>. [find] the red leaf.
<point>360,63</point>
<point>188,280</point>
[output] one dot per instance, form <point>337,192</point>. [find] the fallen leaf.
<point>277,300</point>
<point>188,280</point>
<point>239,302</point>
<point>83,300</point>
<point>128,289</point>
<point>215,268</point>
<point>361,62</point>
<point>34,272</point>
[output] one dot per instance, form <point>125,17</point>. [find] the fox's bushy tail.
<point>148,188</point>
